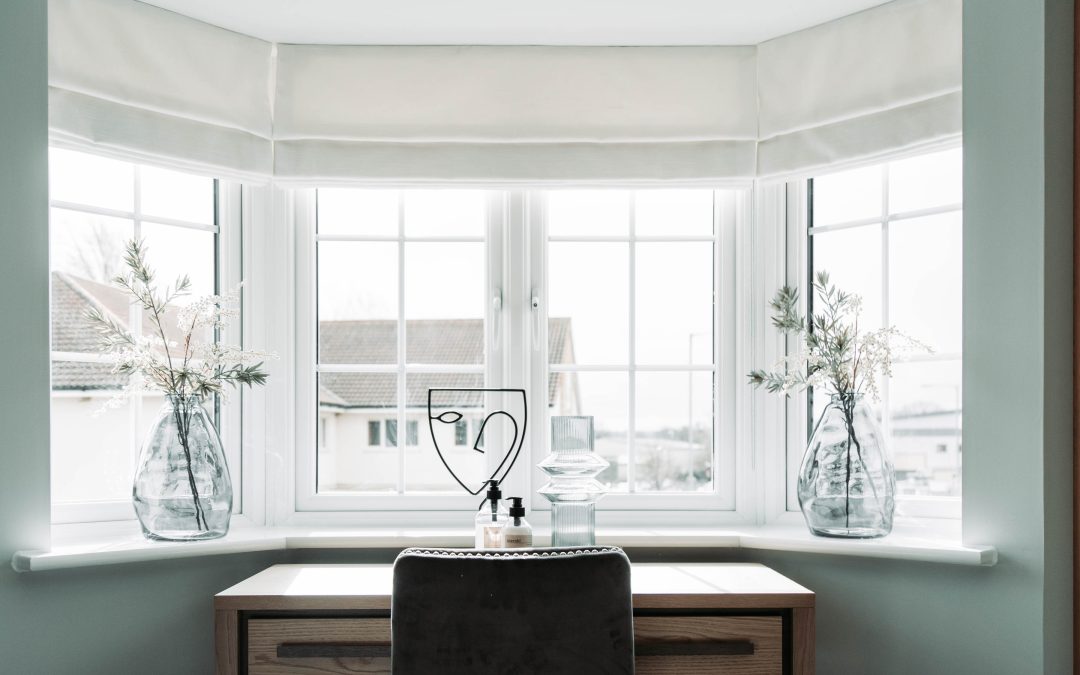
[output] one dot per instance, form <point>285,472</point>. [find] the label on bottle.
<point>493,536</point>
<point>517,539</point>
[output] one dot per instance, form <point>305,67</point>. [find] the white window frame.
<point>228,269</point>
<point>797,271</point>
<point>310,505</point>
<point>516,244</point>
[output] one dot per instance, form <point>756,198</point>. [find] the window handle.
<point>535,304</point>
<point>496,315</point>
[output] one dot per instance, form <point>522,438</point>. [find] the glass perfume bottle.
<point>573,489</point>
<point>491,518</point>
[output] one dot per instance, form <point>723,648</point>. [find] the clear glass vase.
<point>573,489</point>
<point>182,488</point>
<point>846,483</point>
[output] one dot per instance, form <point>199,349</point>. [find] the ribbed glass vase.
<point>573,489</point>
<point>846,484</point>
<point>182,488</point>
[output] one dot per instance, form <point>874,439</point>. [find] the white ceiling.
<point>506,22</point>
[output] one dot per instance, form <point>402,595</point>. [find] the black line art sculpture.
<point>450,414</point>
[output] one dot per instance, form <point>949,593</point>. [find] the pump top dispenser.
<point>491,518</point>
<point>517,533</point>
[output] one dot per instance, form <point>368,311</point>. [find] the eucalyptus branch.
<point>833,353</point>
<point>205,367</point>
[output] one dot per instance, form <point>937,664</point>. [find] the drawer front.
<point>686,645</point>
<point>318,646</point>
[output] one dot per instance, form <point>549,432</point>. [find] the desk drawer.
<point>322,646</point>
<point>685,645</point>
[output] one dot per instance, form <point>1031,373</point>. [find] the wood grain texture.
<point>804,638</point>
<point>765,632</point>
<point>264,636</point>
<point>226,643</point>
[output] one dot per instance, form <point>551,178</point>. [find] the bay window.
<point>637,306</point>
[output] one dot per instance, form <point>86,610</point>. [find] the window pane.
<point>445,213</point>
<point>391,433</point>
<point>590,302</point>
<point>926,181</point>
<point>350,457</point>
<point>674,432</point>
<point>847,196</point>
<point>92,446</point>
<point>605,397</point>
<point>353,211</point>
<point>424,470</point>
<point>674,291</point>
<point>673,212</point>
<point>179,196</point>
<point>925,401</point>
<point>88,246</point>
<point>358,302</point>
<point>374,431</point>
<point>852,258</point>
<point>175,251</point>
<point>444,302</point>
<point>588,212</point>
<point>94,181</point>
<point>461,432</point>
<point>925,280</point>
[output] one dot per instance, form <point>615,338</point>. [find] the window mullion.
<point>886,413</point>
<point>401,346</point>
<point>631,428</point>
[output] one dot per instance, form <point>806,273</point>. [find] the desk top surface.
<point>654,585</point>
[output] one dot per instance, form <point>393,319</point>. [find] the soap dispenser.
<point>517,533</point>
<point>491,518</point>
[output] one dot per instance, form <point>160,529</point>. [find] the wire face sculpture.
<point>449,412</point>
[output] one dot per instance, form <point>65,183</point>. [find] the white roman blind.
<point>150,85</point>
<point>515,113</point>
<point>146,84</point>
<point>876,82</point>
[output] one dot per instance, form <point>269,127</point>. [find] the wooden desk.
<point>737,618</point>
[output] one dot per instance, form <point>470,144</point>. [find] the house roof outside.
<point>442,341</point>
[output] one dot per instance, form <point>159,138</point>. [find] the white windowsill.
<point>924,540</point>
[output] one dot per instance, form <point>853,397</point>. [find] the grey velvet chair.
<point>551,611</point>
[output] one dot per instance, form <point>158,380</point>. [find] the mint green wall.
<point>875,617</point>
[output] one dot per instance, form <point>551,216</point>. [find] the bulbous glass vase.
<point>182,488</point>
<point>847,487</point>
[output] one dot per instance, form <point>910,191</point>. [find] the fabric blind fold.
<point>874,82</point>
<point>138,81</point>
<point>134,79</point>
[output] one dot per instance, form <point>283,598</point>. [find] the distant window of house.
<point>412,433</point>
<point>374,433</point>
<point>391,433</point>
<point>892,234</point>
<point>461,432</point>
<point>97,206</point>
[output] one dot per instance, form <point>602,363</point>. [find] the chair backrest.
<point>552,611</point>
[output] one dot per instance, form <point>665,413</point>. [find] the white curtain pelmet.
<point>133,80</point>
